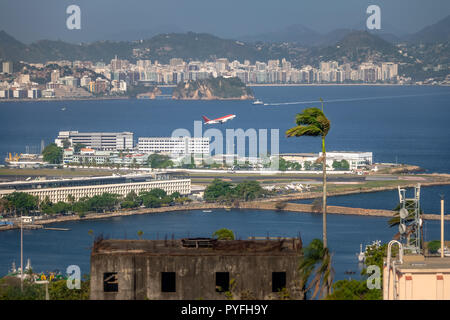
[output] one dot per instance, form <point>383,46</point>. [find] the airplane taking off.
<point>219,120</point>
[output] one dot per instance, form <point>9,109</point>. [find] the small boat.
<point>207,211</point>
<point>362,255</point>
<point>349,272</point>
<point>257,101</point>
<point>63,109</point>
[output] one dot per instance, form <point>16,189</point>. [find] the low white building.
<point>88,187</point>
<point>356,159</point>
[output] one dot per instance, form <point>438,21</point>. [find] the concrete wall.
<point>139,276</point>
<point>423,284</point>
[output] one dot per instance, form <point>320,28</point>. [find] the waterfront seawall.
<point>251,205</point>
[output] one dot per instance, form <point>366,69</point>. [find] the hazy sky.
<point>31,20</point>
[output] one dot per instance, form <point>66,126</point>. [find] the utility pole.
<point>442,226</point>
<point>21,252</point>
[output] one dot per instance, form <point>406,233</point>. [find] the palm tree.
<point>316,262</point>
<point>312,122</point>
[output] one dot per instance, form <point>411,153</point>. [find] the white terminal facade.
<point>356,159</point>
<point>174,145</point>
<point>97,140</point>
<point>89,187</point>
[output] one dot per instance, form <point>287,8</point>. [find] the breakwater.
<point>266,204</point>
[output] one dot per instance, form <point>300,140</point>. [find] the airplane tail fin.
<point>205,118</point>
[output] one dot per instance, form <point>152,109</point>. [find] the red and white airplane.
<point>219,120</point>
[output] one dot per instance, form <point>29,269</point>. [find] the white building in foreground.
<point>89,187</point>
<point>174,145</point>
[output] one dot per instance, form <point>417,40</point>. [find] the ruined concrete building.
<point>199,268</point>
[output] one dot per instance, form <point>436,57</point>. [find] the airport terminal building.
<point>97,140</point>
<point>59,190</point>
<point>174,145</point>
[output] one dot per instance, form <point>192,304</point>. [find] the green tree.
<point>316,271</point>
<point>313,122</point>
<point>52,154</point>
<point>434,246</point>
<point>223,234</point>
<point>159,161</point>
<point>58,290</point>
<point>341,165</point>
<point>353,290</point>
<point>358,289</point>
<point>66,143</point>
<point>249,190</point>
<point>217,189</point>
<point>307,165</point>
<point>22,202</point>
<point>150,201</point>
<point>176,195</point>
<point>78,146</point>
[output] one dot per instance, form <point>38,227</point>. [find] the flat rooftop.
<point>198,246</point>
<point>420,262</point>
<point>85,181</point>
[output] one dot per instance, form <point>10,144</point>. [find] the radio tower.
<point>410,226</point>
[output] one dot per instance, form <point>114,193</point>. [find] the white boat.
<point>257,101</point>
<point>362,255</point>
<point>207,211</point>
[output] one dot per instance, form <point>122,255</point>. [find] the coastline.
<point>260,204</point>
<point>342,84</point>
<point>225,99</point>
<point>64,99</point>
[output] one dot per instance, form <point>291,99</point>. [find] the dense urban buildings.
<point>88,79</point>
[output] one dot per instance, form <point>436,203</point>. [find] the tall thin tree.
<point>312,122</point>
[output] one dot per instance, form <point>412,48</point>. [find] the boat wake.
<point>354,99</point>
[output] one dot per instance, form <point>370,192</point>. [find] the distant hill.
<point>200,46</point>
<point>10,48</point>
<point>307,37</point>
<point>359,46</point>
<point>438,32</point>
<point>47,50</point>
<point>163,47</point>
